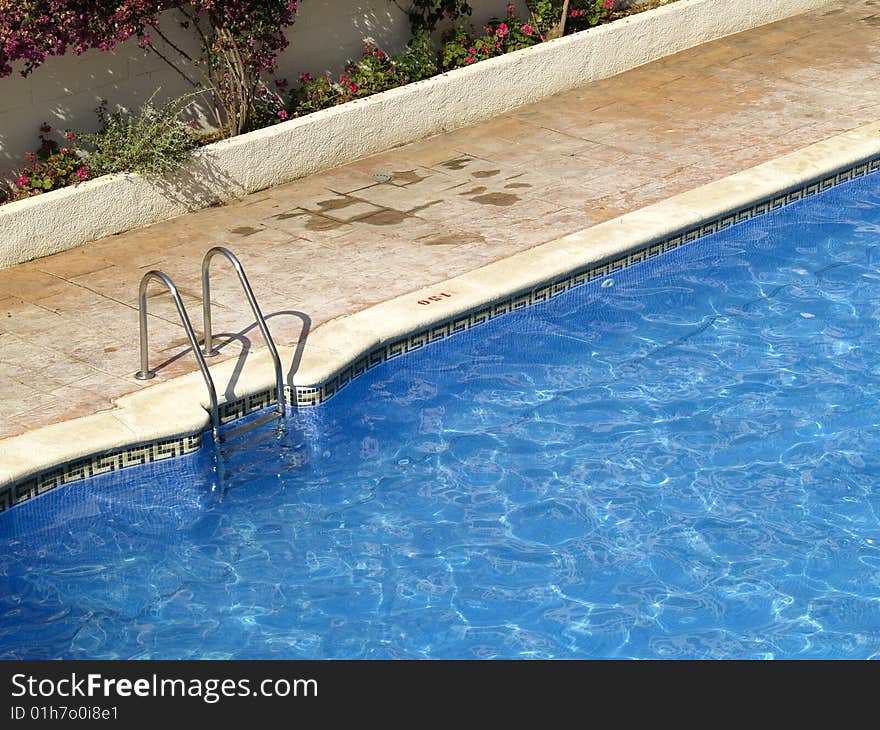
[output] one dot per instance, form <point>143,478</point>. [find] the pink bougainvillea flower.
<point>608,4</point>
<point>354,88</point>
<point>472,51</point>
<point>22,181</point>
<point>527,29</point>
<point>82,172</point>
<point>282,115</point>
<point>502,30</point>
<point>469,59</point>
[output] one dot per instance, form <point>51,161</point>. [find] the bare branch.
<point>173,65</point>
<point>173,45</point>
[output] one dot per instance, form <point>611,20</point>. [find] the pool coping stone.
<point>169,419</point>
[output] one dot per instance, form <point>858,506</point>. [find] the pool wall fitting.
<point>168,419</point>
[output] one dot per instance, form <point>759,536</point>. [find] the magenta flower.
<point>82,173</point>
<point>282,115</point>
<point>22,181</point>
<point>502,30</point>
<point>527,29</point>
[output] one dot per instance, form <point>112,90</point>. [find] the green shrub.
<point>461,48</point>
<point>154,142</point>
<point>50,167</point>
<point>419,60</point>
<point>375,72</point>
<point>425,14</point>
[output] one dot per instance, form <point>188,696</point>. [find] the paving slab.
<point>339,241</point>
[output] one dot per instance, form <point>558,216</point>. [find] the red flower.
<point>22,181</point>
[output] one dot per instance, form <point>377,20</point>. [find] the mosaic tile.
<point>90,466</point>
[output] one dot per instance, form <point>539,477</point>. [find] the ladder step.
<point>236,431</point>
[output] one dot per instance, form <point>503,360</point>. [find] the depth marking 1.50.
<point>435,298</point>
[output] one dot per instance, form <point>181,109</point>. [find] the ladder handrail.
<point>255,308</point>
<point>145,373</point>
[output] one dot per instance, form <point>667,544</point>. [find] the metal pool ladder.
<point>145,373</point>
<point>255,308</point>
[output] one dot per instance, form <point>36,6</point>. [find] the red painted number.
<point>435,298</point>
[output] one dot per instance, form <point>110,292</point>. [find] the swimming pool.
<point>680,461</point>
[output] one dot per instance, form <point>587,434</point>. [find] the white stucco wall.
<point>65,90</point>
<point>62,219</point>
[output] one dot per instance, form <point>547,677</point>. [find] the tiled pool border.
<point>41,481</point>
<point>312,396</point>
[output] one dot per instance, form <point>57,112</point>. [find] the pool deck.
<point>337,242</point>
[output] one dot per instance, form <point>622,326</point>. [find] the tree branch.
<point>173,65</point>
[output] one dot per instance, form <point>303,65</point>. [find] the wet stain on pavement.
<point>458,163</point>
<point>406,177</point>
<point>335,203</point>
<point>245,231</point>
<point>291,214</point>
<point>320,223</point>
<point>500,199</point>
<point>386,217</point>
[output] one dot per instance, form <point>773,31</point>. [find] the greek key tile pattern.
<point>90,466</point>
<point>16,493</point>
<point>234,410</point>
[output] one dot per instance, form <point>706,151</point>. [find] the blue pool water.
<point>679,462</point>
